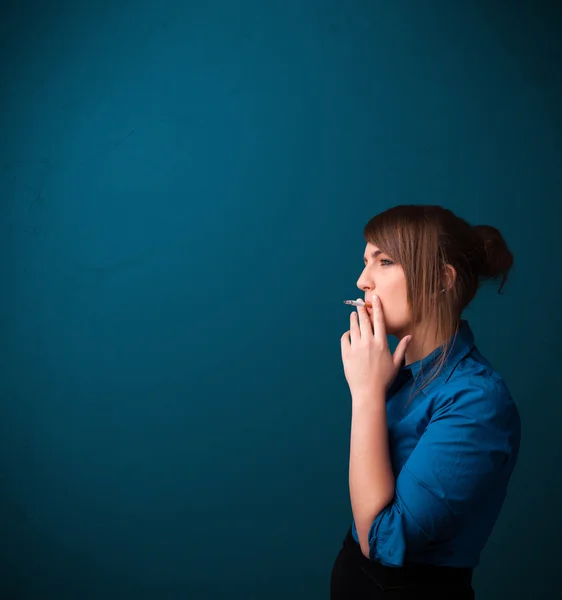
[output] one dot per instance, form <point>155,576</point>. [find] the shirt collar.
<point>461,344</point>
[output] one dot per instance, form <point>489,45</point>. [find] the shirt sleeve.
<point>463,449</point>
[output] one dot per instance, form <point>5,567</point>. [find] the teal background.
<point>183,190</point>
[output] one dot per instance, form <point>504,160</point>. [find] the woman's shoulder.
<point>478,390</point>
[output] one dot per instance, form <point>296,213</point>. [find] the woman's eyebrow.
<point>374,254</point>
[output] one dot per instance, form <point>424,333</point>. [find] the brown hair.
<point>423,240</point>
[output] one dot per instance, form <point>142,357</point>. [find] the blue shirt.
<point>453,449</point>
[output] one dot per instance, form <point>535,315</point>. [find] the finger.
<point>364,322</point>
<point>400,352</point>
<point>378,319</point>
<point>355,333</point>
<point>345,343</point>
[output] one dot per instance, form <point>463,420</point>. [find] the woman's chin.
<point>392,329</point>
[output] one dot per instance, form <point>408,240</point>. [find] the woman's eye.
<point>386,262</point>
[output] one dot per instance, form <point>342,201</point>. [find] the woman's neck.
<point>424,342</point>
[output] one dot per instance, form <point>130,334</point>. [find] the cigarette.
<point>358,303</point>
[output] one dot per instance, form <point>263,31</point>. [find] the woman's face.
<point>383,277</point>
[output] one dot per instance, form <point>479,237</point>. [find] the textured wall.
<point>183,188</point>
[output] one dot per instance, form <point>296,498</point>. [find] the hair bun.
<point>496,259</point>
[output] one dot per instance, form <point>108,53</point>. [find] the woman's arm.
<point>371,480</point>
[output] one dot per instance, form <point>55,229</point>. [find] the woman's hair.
<point>423,240</point>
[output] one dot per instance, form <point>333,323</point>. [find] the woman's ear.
<point>450,277</point>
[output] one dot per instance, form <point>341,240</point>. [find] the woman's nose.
<point>364,284</point>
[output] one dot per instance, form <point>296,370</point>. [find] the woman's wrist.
<point>370,397</point>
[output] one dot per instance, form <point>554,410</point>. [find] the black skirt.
<point>355,577</point>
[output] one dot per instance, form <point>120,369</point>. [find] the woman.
<point>434,431</point>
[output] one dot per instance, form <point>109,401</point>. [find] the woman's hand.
<point>369,366</point>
